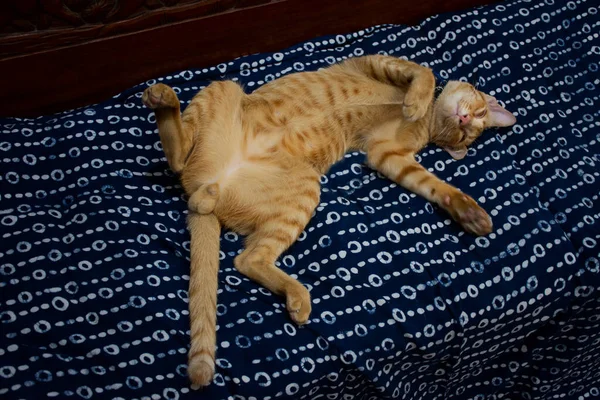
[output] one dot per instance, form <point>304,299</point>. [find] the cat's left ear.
<point>498,115</point>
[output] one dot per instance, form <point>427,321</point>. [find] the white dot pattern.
<point>94,262</point>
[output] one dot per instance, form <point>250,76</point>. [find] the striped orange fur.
<point>252,163</point>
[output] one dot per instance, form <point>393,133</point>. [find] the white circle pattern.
<point>95,255</point>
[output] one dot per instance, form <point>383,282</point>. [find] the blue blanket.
<point>95,253</point>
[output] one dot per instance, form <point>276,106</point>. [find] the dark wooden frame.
<point>54,70</point>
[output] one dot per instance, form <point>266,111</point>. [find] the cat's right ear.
<point>497,115</point>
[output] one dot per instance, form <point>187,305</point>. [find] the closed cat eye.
<point>481,114</point>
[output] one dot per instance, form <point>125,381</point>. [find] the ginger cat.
<point>252,164</point>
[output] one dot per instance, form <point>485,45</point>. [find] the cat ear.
<point>498,115</point>
<point>457,154</point>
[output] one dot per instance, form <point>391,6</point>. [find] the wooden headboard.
<point>61,54</point>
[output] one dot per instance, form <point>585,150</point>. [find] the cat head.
<point>462,113</point>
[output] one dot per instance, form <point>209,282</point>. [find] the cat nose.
<point>464,119</point>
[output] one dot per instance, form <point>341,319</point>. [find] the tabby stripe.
<point>280,236</point>
<point>323,157</point>
<point>305,179</point>
<point>330,95</point>
<point>270,119</point>
<point>306,210</point>
<point>193,112</point>
<point>407,170</point>
<point>301,137</point>
<point>423,180</point>
<point>388,74</point>
<point>263,245</point>
<point>369,66</point>
<point>348,117</point>
<point>331,151</point>
<point>345,92</point>
<point>288,146</point>
<point>288,96</point>
<point>339,80</point>
<point>306,105</point>
<point>309,94</point>
<point>358,80</point>
<point>259,127</point>
<point>283,217</point>
<point>310,194</point>
<point>195,105</point>
<point>339,147</point>
<point>321,80</point>
<point>339,120</point>
<point>291,222</point>
<point>391,153</point>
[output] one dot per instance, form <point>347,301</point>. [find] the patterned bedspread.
<point>94,250</point>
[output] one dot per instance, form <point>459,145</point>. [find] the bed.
<point>95,255</point>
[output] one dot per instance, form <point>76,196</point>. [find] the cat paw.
<point>298,304</point>
<point>468,213</point>
<point>415,107</point>
<point>160,96</point>
<point>419,95</point>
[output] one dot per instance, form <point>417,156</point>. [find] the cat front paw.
<point>468,213</point>
<point>160,96</point>
<point>419,95</point>
<point>415,107</point>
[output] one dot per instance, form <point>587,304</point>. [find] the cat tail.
<point>205,232</point>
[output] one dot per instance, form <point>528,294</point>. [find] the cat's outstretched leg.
<point>273,236</point>
<point>257,263</point>
<point>398,164</point>
<point>417,80</point>
<point>176,134</point>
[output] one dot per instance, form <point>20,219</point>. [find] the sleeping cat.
<point>252,164</point>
